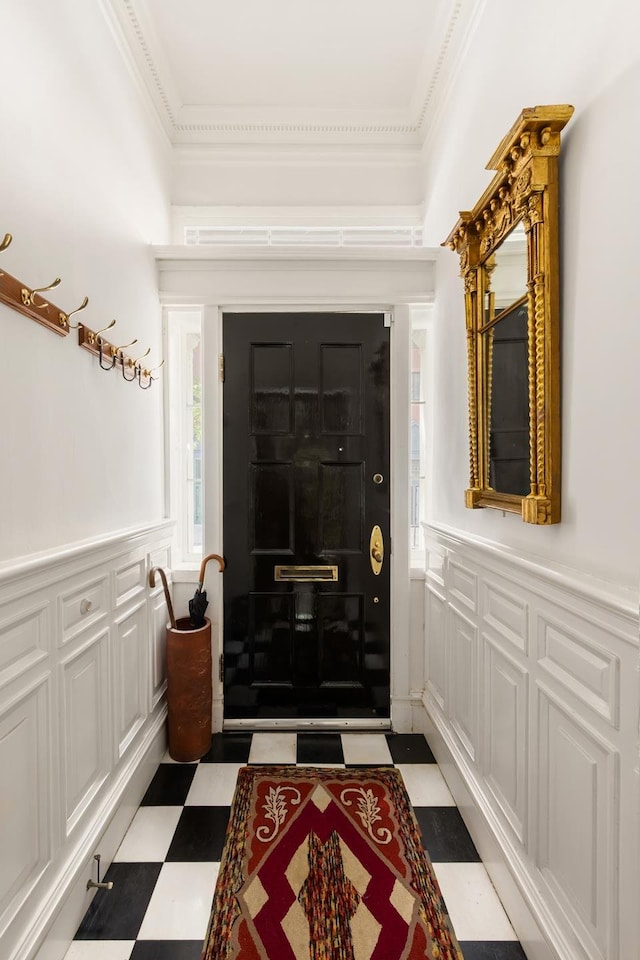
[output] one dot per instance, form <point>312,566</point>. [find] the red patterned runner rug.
<point>323,864</point>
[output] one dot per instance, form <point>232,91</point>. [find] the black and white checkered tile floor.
<point>165,870</point>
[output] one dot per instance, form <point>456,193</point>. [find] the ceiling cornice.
<point>186,124</point>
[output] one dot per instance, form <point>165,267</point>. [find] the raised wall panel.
<point>130,675</point>
<point>25,790</point>
<point>82,606</point>
<point>129,580</point>
<point>579,663</point>
<point>85,732</point>
<point>463,692</point>
<point>505,754</point>
<point>436,646</point>
<point>555,779</point>
<point>160,558</point>
<point>463,585</point>
<point>506,612</point>
<point>24,637</point>
<point>435,561</point>
<point>577,823</point>
<point>159,621</point>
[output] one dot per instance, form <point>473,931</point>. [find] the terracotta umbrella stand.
<point>189,694</point>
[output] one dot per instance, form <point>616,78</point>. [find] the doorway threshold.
<point>309,724</point>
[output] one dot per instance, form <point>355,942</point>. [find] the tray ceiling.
<point>294,71</point>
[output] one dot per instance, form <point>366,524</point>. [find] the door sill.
<point>306,724</point>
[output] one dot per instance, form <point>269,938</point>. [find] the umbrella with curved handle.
<point>167,596</point>
<point>199,603</point>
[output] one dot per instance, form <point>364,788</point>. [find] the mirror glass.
<point>504,342</point>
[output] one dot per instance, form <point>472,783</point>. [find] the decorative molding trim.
<point>554,802</point>
<point>623,601</point>
<point>13,570</point>
<point>143,53</point>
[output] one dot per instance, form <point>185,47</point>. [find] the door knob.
<point>376,550</point>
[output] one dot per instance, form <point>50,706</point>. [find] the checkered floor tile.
<point>165,870</point>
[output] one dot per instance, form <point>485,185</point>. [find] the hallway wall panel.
<point>82,707</point>
<point>533,698</point>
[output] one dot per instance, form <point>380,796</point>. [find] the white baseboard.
<point>67,900</point>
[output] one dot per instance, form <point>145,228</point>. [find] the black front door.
<point>306,516</point>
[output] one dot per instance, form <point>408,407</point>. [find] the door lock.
<point>376,550</point>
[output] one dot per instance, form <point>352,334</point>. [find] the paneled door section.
<point>306,517</point>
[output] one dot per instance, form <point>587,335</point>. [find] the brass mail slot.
<point>305,574</point>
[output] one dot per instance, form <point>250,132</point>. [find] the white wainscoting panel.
<point>505,719</point>
<point>81,709</point>
<point>435,652</point>
<point>575,653</point>
<point>463,585</point>
<point>506,614</point>
<point>85,735</point>
<point>82,605</point>
<point>131,668</point>
<point>25,790</point>
<point>576,824</point>
<point>24,637</point>
<point>463,685</point>
<point>130,580</point>
<point>158,637</point>
<point>532,694</point>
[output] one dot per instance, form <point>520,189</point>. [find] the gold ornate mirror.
<point>508,247</point>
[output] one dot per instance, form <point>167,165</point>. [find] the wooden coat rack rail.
<point>30,302</point>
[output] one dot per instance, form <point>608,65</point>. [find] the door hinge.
<point>388,318</point>
<point>390,546</point>
<point>221,668</point>
<point>221,367</point>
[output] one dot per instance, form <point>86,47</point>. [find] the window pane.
<point>193,433</point>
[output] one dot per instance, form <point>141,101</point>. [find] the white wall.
<point>553,54</point>
<point>369,176</point>
<point>517,615</point>
<point>84,191</point>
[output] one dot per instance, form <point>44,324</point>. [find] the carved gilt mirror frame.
<point>522,195</point>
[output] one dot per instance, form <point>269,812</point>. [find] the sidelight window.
<point>185,431</point>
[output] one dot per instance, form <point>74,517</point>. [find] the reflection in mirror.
<point>504,333</point>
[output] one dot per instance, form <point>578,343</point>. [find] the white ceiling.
<point>294,71</point>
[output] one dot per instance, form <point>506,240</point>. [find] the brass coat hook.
<point>64,317</point>
<point>4,243</point>
<point>145,374</point>
<point>133,364</point>
<point>28,295</point>
<point>114,352</point>
<point>92,336</point>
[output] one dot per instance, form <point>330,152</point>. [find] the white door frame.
<point>263,281</point>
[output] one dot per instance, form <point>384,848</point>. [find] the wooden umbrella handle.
<point>211,556</point>
<point>167,596</point>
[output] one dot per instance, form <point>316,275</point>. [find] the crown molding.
<point>298,155</point>
<point>185,124</point>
